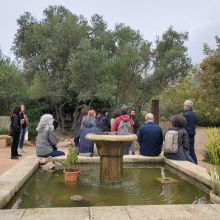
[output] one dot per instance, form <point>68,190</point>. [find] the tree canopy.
<point>69,61</point>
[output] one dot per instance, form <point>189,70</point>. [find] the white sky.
<point>201,18</point>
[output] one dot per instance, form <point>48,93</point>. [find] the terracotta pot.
<point>214,198</point>
<point>71,177</point>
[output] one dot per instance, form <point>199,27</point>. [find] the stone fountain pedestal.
<point>111,150</point>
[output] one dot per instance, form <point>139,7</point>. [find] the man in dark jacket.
<point>103,122</point>
<point>190,117</point>
<point>150,137</point>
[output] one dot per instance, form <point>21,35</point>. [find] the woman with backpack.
<point>179,124</point>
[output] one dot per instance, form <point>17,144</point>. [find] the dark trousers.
<point>54,153</point>
<point>192,149</point>
<point>127,149</point>
<point>14,145</point>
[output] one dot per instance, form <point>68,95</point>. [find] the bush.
<point>4,131</point>
<point>213,150</point>
<point>32,133</point>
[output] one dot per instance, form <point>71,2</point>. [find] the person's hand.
<point>22,121</point>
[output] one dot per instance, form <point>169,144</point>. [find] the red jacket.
<point>117,122</point>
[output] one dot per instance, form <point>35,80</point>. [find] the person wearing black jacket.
<point>103,122</point>
<point>15,132</point>
<point>150,137</point>
<point>179,124</point>
<point>190,117</point>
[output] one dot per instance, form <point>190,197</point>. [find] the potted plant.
<point>71,173</point>
<point>213,151</point>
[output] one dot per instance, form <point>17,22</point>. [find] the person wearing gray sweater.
<point>46,139</point>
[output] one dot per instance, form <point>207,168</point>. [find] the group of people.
<point>19,124</point>
<point>150,135</point>
<point>101,123</point>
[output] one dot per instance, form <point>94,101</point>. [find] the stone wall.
<point>5,122</point>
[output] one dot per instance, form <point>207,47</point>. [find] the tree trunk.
<point>76,123</point>
<point>60,116</point>
<point>90,103</point>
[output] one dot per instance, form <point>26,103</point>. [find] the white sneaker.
<point>20,151</point>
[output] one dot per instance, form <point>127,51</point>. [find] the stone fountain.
<point>111,147</point>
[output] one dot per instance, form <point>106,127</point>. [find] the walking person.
<point>15,132</point>
<point>190,117</point>
<point>24,126</point>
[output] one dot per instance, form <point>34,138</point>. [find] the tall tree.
<point>130,60</point>
<point>170,63</point>
<point>12,85</point>
<point>44,48</point>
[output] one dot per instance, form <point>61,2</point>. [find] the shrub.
<point>213,150</point>
<point>32,133</point>
<point>3,131</point>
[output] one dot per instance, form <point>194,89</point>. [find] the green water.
<point>140,187</point>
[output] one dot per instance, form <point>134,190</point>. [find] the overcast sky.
<point>201,18</point>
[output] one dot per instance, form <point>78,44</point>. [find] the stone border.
<point>150,212</point>
<point>13,179</point>
<point>126,159</point>
<point>5,140</point>
<point>195,171</point>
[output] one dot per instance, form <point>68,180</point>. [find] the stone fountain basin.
<point>111,136</point>
<point>111,147</point>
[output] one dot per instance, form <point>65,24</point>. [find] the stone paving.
<point>148,212</point>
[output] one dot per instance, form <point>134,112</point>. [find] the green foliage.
<point>69,62</point>
<point>32,133</point>
<point>35,108</point>
<point>4,131</point>
<point>213,150</point>
<point>44,47</point>
<point>173,97</point>
<point>209,77</point>
<point>12,85</point>
<point>71,159</point>
<point>89,78</point>
<point>170,64</point>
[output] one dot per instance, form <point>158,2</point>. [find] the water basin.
<point>142,184</point>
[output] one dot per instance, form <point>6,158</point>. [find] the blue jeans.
<point>54,153</point>
<point>127,149</point>
<point>21,139</point>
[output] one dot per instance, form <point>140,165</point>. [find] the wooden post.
<point>155,110</point>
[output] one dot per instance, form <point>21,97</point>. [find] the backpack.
<point>124,127</point>
<point>171,142</point>
<point>101,123</point>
